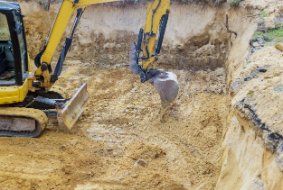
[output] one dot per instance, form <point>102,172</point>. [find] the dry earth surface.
<point>124,139</point>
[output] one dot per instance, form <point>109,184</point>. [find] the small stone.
<point>266,38</point>
<point>235,86</point>
<point>247,79</point>
<point>220,72</point>
<point>269,23</point>
<point>278,88</point>
<point>141,162</point>
<point>63,148</point>
<point>110,57</point>
<point>262,70</point>
<point>257,184</point>
<point>109,45</point>
<point>118,46</point>
<point>279,46</point>
<point>272,140</point>
<point>256,44</point>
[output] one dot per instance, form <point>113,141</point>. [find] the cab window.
<point>4,28</point>
<point>7,68</point>
<point>22,44</point>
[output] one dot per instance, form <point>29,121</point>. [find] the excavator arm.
<point>145,52</point>
<point>153,32</point>
<point>67,111</point>
<point>44,73</point>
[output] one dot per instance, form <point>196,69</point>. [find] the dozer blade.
<point>167,86</point>
<point>73,109</point>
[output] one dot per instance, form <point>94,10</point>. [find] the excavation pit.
<point>124,139</point>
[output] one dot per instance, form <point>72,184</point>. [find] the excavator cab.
<point>23,107</point>
<point>13,50</point>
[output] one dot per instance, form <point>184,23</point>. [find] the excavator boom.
<point>145,52</point>
<point>69,113</point>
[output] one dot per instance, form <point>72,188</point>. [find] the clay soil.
<point>124,140</point>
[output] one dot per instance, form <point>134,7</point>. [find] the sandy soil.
<point>123,141</point>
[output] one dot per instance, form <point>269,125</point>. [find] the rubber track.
<point>39,116</point>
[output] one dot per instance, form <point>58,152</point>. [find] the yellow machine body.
<point>16,93</point>
<point>13,94</point>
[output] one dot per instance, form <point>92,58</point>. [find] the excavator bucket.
<point>167,86</point>
<point>73,109</point>
<point>165,82</point>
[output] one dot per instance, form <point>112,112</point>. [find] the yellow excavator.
<point>26,100</point>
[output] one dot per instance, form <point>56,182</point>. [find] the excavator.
<point>26,96</point>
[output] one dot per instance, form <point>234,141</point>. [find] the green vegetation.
<point>263,14</point>
<point>250,93</point>
<point>275,35</point>
<point>234,3</point>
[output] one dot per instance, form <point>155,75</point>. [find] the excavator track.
<point>21,122</point>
